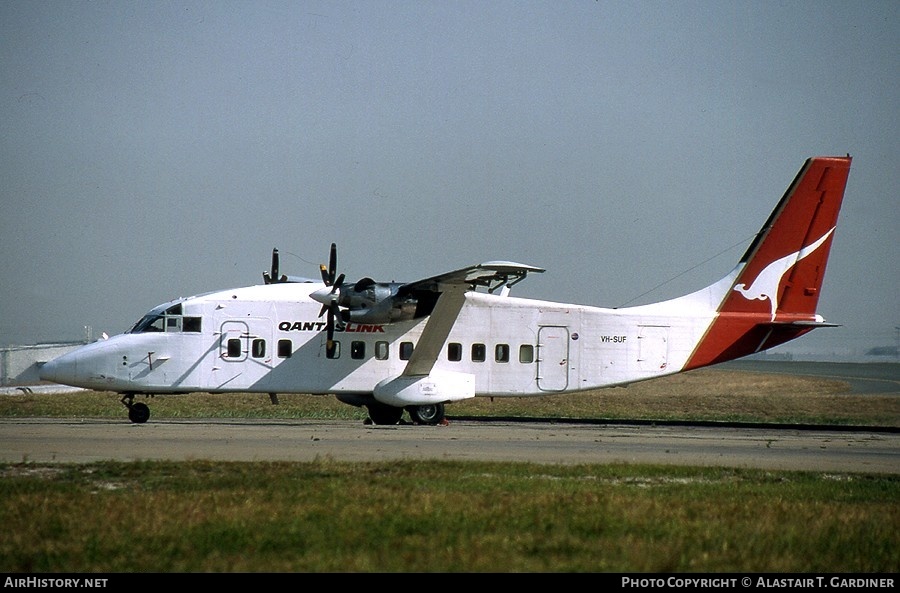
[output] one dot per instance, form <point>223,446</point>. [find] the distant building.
<point>883,351</point>
<point>21,365</point>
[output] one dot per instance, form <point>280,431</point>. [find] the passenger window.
<point>259,348</point>
<point>382,350</point>
<point>234,348</point>
<point>334,351</point>
<point>406,350</point>
<point>479,352</point>
<point>454,352</point>
<point>526,353</point>
<point>501,353</point>
<point>285,348</point>
<point>357,350</point>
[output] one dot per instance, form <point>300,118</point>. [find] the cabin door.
<point>553,358</point>
<point>653,348</point>
<point>245,354</point>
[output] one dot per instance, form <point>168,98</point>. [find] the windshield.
<point>166,318</point>
<point>149,323</point>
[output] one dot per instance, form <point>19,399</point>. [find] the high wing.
<point>492,275</point>
<point>452,287</point>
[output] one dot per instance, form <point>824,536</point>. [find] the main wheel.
<point>428,414</point>
<point>384,414</point>
<point>138,413</point>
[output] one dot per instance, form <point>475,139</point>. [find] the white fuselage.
<point>270,338</point>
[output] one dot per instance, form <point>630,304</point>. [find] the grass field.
<point>440,516</point>
<point>706,394</point>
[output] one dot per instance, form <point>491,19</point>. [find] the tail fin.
<point>774,296</point>
<point>785,264</point>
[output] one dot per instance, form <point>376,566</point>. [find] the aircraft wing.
<point>452,288</point>
<point>436,330</point>
<point>492,275</point>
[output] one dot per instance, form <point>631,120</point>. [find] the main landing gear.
<point>431,414</point>
<point>138,412</point>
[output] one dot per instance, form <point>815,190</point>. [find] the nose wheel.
<point>137,412</point>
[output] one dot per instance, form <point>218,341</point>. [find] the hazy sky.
<point>151,150</point>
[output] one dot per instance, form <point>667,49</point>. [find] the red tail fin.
<point>780,276</point>
<point>785,264</point>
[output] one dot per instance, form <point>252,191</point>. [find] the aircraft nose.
<point>62,370</point>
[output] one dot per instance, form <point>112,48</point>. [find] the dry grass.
<point>709,394</point>
<point>705,394</point>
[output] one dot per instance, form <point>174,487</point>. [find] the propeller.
<point>330,298</point>
<point>333,310</point>
<point>274,277</point>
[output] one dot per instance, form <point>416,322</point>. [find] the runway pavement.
<point>55,440</point>
<point>776,448</point>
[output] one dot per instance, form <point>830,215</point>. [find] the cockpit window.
<point>150,323</point>
<point>169,320</point>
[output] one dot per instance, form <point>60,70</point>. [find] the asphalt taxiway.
<point>777,448</point>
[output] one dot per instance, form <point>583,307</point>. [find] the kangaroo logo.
<point>766,284</point>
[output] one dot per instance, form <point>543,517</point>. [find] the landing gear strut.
<point>137,412</point>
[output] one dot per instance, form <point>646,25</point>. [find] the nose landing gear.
<point>138,412</point>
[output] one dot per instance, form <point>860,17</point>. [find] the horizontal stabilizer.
<point>804,324</point>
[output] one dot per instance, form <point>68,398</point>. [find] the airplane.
<point>392,347</point>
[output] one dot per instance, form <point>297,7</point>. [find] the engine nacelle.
<point>389,310</point>
<point>437,388</point>
<point>368,301</point>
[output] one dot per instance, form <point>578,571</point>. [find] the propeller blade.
<point>329,344</point>
<point>273,277</point>
<point>328,273</point>
<point>275,265</point>
<point>336,313</point>
<point>332,262</point>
